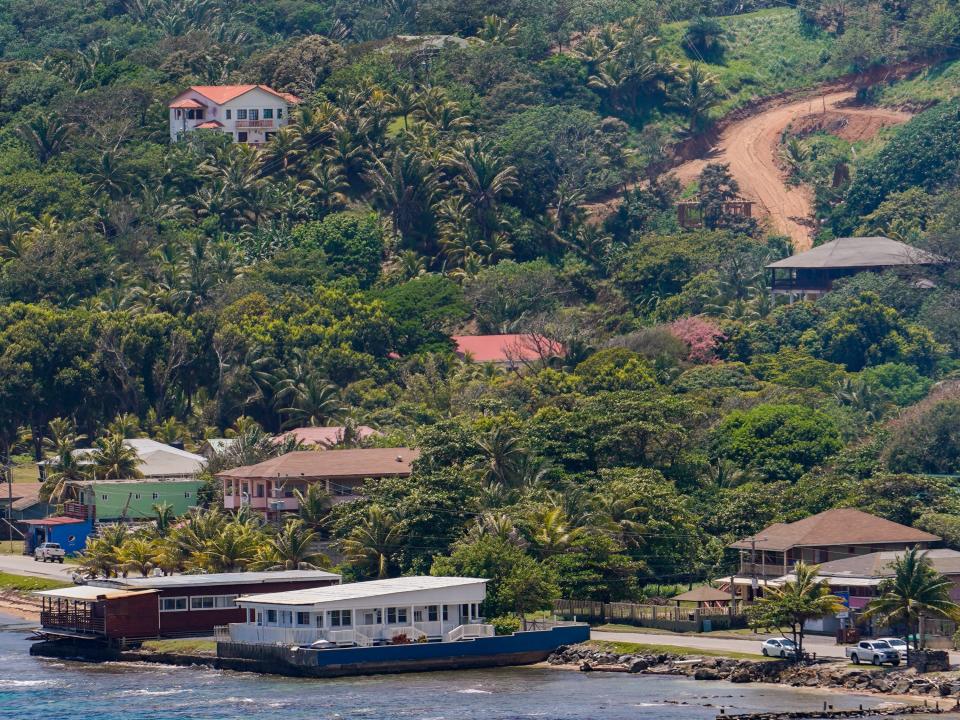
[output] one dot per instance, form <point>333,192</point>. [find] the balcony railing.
<point>255,123</point>
<point>75,621</point>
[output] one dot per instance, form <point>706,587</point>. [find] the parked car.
<point>877,652</point>
<point>898,644</point>
<point>49,552</point>
<point>779,647</point>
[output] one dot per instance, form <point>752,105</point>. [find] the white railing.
<point>469,632</point>
<point>271,635</point>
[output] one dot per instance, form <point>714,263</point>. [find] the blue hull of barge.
<point>521,648</point>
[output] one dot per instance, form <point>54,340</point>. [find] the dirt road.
<point>750,148</point>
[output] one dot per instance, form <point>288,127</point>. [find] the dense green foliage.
<point>511,181</point>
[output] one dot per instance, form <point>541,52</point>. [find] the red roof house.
<point>248,113</point>
<point>507,349</point>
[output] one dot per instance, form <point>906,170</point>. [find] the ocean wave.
<point>475,691</point>
<point>27,683</point>
<point>143,692</point>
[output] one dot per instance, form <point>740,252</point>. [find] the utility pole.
<point>8,474</point>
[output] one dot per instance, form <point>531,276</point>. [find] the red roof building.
<point>510,350</point>
<point>248,113</point>
<point>323,437</point>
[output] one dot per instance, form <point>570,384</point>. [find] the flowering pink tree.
<point>700,335</point>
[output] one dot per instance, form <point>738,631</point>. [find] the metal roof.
<point>239,578</point>
<point>506,348</point>
<point>360,590</point>
<point>704,593</point>
<point>840,526</point>
<point>331,464</point>
<point>859,252</point>
<point>90,592</point>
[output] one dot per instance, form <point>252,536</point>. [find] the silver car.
<point>898,644</point>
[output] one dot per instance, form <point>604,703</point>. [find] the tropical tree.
<point>292,549</point>
<point>113,459</point>
<point>313,401</point>
<point>314,505</point>
<point>165,517</point>
<point>483,178</point>
<point>137,554</point>
<point>551,532</point>
<point>795,602</point>
<point>915,591</point>
<point>46,135</point>
<point>695,93</point>
<point>372,543</point>
<point>232,549</point>
<point>502,456</point>
<point>99,558</point>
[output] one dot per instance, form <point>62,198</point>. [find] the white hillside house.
<point>378,612</point>
<point>247,113</point>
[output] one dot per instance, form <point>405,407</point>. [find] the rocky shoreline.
<point>936,687</point>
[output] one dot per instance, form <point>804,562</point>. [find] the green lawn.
<point>25,473</point>
<point>23,583</point>
<point>745,633</point>
<point>626,648</point>
<point>937,83</point>
<point>192,646</point>
<point>768,52</point>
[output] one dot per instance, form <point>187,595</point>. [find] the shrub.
<point>506,624</point>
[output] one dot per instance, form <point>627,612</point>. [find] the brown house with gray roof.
<point>831,535</point>
<point>269,486</point>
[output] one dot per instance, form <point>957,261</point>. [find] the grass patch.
<point>25,473</point>
<point>192,646</point>
<point>746,633</point>
<point>23,583</point>
<point>628,648</point>
<point>768,51</point>
<point>935,84</point>
<point>11,547</point>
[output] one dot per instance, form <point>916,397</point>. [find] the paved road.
<point>25,565</point>
<point>823,647</point>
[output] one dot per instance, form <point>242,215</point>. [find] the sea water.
<point>33,688</point>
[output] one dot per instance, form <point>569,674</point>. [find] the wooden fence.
<point>664,617</point>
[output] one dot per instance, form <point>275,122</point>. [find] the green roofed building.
<point>134,499</point>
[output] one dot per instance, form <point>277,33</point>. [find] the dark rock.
<point>706,674</point>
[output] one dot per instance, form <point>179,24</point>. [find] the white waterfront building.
<point>377,612</point>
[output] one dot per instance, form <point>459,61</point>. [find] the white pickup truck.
<point>49,552</point>
<point>876,652</point>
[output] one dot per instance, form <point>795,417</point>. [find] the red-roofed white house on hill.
<point>248,113</point>
<point>507,350</point>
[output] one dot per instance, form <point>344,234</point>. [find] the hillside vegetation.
<point>203,288</point>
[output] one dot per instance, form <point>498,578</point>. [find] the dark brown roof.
<point>704,593</point>
<point>843,526</point>
<point>332,465</point>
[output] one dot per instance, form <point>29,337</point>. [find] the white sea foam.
<point>26,683</point>
<point>475,691</point>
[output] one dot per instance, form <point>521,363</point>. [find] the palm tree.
<point>232,549</point>
<point>291,549</point>
<point>551,533</point>
<point>165,517</point>
<point>62,470</point>
<point>113,459</point>
<point>502,454</point>
<point>126,425</point>
<point>696,92</point>
<point>915,591</point>
<point>373,541</point>
<point>109,177</point>
<point>99,558</point>
<point>403,102</point>
<point>313,401</point>
<point>482,178</point>
<point>284,149</point>
<point>314,505</point>
<point>46,135</point>
<point>137,554</point>
<point>795,602</point>
<point>404,190</point>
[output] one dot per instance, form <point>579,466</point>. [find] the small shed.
<point>70,532</point>
<point>704,596</point>
<point>96,613</point>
